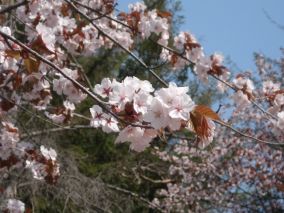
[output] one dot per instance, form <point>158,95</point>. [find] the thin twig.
<point>246,135</point>
<point>30,112</point>
<point>51,130</point>
<point>66,202</point>
<point>151,205</point>
<point>81,70</point>
<point>272,20</point>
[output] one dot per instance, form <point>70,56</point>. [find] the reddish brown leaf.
<point>39,46</point>
<point>164,14</point>
<point>31,65</point>
<point>10,128</point>
<point>207,112</point>
<point>174,59</point>
<point>122,15</point>
<point>65,9</point>
<point>17,81</point>
<point>199,121</point>
<point>200,125</point>
<point>13,53</point>
<point>12,160</point>
<point>6,105</point>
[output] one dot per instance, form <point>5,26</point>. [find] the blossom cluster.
<point>62,86</point>
<point>148,22</point>
<point>149,111</point>
<point>13,206</point>
<point>244,92</point>
<point>275,97</point>
<point>190,53</point>
<point>31,83</point>
<point>50,26</point>
<point>267,92</point>
<point>62,114</point>
<point>15,153</point>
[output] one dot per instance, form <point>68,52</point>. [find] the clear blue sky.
<point>236,28</point>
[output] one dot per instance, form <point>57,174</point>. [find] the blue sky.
<point>235,28</point>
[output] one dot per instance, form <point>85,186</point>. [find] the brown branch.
<point>59,129</point>
<point>135,195</point>
<point>246,135</point>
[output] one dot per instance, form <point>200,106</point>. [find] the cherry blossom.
<point>138,137</point>
<point>15,206</point>
<point>48,154</point>
<point>44,165</point>
<point>138,6</point>
<point>66,87</point>
<point>157,115</point>
<point>9,139</point>
<point>105,88</point>
<point>62,114</point>
<point>109,124</point>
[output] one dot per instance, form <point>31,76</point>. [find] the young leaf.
<point>31,65</point>
<point>207,112</point>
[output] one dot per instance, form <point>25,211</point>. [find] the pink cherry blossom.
<point>97,116</point>
<point>15,206</point>
<point>157,114</point>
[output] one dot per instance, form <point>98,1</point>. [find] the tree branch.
<point>246,135</point>
<point>59,129</point>
<point>150,205</point>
